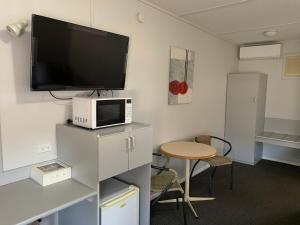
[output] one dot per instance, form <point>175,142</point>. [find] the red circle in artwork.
<point>174,87</point>
<point>183,87</point>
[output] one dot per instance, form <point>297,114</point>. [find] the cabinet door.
<point>141,147</point>
<point>241,115</point>
<point>113,155</point>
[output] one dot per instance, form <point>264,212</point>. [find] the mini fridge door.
<point>123,210</point>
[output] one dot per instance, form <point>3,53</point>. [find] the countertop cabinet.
<point>123,151</point>
<point>108,152</point>
<point>141,140</point>
<point>113,155</point>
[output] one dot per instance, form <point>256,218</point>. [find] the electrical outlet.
<point>44,148</point>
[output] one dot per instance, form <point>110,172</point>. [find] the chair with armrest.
<point>217,161</point>
<point>165,186</point>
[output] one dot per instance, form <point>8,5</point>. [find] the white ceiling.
<point>239,21</point>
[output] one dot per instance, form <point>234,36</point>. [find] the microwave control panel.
<point>128,118</point>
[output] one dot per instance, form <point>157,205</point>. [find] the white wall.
<point>282,94</point>
<point>147,73</point>
<point>282,99</point>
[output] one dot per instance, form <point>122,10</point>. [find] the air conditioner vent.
<point>260,51</point>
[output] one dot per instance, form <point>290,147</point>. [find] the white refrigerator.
<point>119,203</point>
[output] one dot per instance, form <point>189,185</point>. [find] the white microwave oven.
<point>96,113</point>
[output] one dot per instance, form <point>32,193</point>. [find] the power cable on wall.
<point>68,98</point>
<point>91,13</point>
<point>59,98</point>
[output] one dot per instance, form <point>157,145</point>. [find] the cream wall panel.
<point>282,94</point>
<point>282,101</point>
<point>148,69</point>
<point>26,117</point>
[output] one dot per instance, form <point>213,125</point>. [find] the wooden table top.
<point>188,150</point>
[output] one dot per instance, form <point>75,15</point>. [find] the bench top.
<point>25,201</point>
<point>285,140</point>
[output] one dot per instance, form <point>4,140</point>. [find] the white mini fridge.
<point>119,203</point>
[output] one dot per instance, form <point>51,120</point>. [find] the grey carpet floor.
<point>265,194</point>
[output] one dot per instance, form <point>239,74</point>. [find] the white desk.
<point>284,140</point>
<point>25,201</point>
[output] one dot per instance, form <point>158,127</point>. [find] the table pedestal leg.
<point>187,187</point>
<point>187,197</point>
<point>187,179</point>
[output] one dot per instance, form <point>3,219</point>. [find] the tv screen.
<point>67,56</point>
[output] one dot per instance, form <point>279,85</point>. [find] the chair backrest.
<point>206,139</point>
<point>160,160</point>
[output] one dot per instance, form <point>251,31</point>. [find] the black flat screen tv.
<point>66,56</point>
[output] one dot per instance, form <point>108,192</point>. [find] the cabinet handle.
<point>254,99</point>
<point>132,143</point>
<point>128,143</point>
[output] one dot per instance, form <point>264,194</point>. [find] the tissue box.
<point>50,173</point>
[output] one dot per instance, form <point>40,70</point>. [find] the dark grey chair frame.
<point>164,192</point>
<point>214,169</point>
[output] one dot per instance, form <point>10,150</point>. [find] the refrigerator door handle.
<point>117,200</point>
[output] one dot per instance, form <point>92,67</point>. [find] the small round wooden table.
<point>188,151</point>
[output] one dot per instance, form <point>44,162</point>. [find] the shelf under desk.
<point>285,140</point>
<point>25,201</point>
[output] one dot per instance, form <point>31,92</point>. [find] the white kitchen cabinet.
<point>141,139</point>
<point>124,151</point>
<point>113,155</point>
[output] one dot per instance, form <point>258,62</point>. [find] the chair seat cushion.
<point>161,181</point>
<point>219,161</point>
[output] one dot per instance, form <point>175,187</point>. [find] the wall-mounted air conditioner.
<point>264,51</point>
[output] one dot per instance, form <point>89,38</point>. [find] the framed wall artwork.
<point>291,66</point>
<point>181,76</point>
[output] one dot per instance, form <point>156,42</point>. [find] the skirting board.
<point>205,167</point>
<point>244,162</point>
<point>196,172</point>
<point>282,161</point>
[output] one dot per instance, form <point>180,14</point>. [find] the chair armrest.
<point>160,168</point>
<point>227,142</point>
<point>156,154</point>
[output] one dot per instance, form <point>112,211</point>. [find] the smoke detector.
<point>270,33</point>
